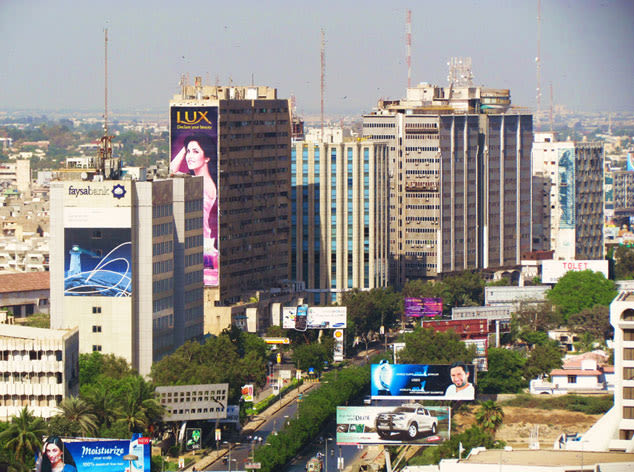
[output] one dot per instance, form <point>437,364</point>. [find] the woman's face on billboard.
<point>195,156</point>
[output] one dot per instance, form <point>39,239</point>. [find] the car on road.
<point>408,420</point>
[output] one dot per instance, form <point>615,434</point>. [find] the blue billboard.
<point>566,165</point>
<point>98,262</point>
<point>105,455</point>
<point>422,381</point>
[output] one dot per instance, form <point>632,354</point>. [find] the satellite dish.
<point>84,176</point>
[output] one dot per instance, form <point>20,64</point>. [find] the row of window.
<point>162,248</point>
<point>421,172</point>
<point>162,229</point>
<point>194,259</point>
<point>162,285</point>
<point>193,241</point>
<point>162,304</point>
<point>160,211</point>
<point>193,205</point>
<point>162,266</point>
<point>31,355</point>
<point>193,223</point>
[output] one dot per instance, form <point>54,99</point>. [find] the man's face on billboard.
<point>459,377</point>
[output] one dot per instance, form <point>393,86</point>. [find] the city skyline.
<point>151,44</point>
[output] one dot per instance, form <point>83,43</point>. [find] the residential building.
<point>24,294</point>
<point>126,265</point>
<point>16,174</point>
<point>460,180</point>
<point>339,216</point>
<point>247,222</point>
<point>38,369</point>
<point>570,174</point>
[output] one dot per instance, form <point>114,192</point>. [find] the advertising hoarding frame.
<point>318,317</point>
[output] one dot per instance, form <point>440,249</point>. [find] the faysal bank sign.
<point>552,271</point>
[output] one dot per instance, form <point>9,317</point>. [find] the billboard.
<point>418,307</point>
<point>96,455</point>
<point>338,348</point>
<point>409,423</point>
<point>98,262</point>
<point>422,381</point>
<point>318,317</point>
<point>566,164</point>
<point>553,270</point>
<point>194,150</point>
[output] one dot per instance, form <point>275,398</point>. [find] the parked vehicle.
<point>409,420</point>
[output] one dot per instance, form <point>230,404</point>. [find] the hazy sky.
<point>52,51</point>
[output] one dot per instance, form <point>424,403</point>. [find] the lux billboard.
<point>409,423</point>
<point>194,150</point>
<point>422,381</point>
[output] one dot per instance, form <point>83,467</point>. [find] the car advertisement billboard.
<point>95,455</point>
<point>318,317</point>
<point>409,423</point>
<point>422,381</point>
<point>98,262</point>
<point>194,150</point>
<point>418,307</point>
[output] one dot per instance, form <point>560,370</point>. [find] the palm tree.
<point>140,409</point>
<point>490,416</point>
<point>24,436</point>
<point>80,413</point>
<point>103,405</point>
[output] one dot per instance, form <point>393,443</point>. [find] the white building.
<point>38,369</point>
<point>126,265</point>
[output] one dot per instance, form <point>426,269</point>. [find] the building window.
<point>96,329</point>
<point>96,309</point>
<point>572,379</point>
<point>96,348</point>
<point>628,354</point>
<point>628,412</point>
<point>628,393</point>
<point>96,234</point>
<point>628,373</point>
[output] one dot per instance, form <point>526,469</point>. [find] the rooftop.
<point>24,282</point>
<point>547,457</point>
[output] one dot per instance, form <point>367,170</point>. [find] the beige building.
<point>339,224</point>
<point>459,169</point>
<point>568,182</point>
<point>126,265</point>
<point>252,174</point>
<point>17,174</point>
<point>38,369</point>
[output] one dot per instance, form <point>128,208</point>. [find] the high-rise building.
<point>339,222</point>
<point>126,265</point>
<point>243,136</point>
<point>460,180</point>
<point>568,178</point>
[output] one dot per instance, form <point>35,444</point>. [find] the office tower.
<point>339,222</point>
<point>244,133</point>
<point>460,180</point>
<point>623,188</point>
<point>126,265</point>
<point>570,197</point>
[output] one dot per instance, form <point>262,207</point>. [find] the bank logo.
<point>118,191</point>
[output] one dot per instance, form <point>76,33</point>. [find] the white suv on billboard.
<point>409,420</point>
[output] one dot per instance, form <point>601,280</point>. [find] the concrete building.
<point>126,265</point>
<point>247,224</point>
<point>38,369</point>
<point>339,217</point>
<point>460,180</point>
<point>623,188</point>
<point>569,182</point>
<point>24,294</point>
<point>16,174</point>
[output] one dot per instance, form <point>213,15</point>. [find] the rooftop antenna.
<point>408,47</point>
<point>323,77</point>
<point>539,64</point>
<point>105,146</point>
<point>552,119</point>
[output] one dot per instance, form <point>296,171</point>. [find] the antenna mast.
<point>323,78</point>
<point>105,146</point>
<point>539,64</point>
<point>408,46</point>
<point>551,108</point>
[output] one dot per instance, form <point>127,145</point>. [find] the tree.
<point>624,263</point>
<point>533,338</point>
<point>103,404</point>
<point>79,413</point>
<point>489,416</point>
<point>594,321</point>
<point>95,364</point>
<point>140,409</point>
<point>24,436</point>
<point>537,316</point>
<point>543,359</point>
<point>577,290</point>
<point>505,372</point>
<point>427,346</point>
<point>311,355</point>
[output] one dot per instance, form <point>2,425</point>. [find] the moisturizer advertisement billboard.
<point>194,150</point>
<point>422,381</point>
<point>408,423</point>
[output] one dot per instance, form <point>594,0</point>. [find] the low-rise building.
<point>25,293</point>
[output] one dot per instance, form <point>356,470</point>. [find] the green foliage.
<point>536,316</point>
<point>533,338</point>
<point>95,364</point>
<point>543,359</point>
<point>624,263</point>
<point>505,372</point>
<point>489,417</point>
<point>593,321</point>
<point>465,289</point>
<point>590,405</point>
<point>79,413</point>
<point>578,290</point>
<point>426,346</point>
<point>23,437</point>
<point>38,320</point>
<point>312,355</point>
<point>315,411</point>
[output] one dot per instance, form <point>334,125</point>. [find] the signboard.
<point>318,317</point>
<point>194,150</point>
<point>100,455</point>
<point>422,381</point>
<point>98,262</point>
<point>418,307</point>
<point>491,313</point>
<point>277,340</point>
<point>476,327</point>
<point>553,270</point>
<point>338,348</point>
<point>409,423</point>
<point>193,438</point>
<point>247,393</point>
